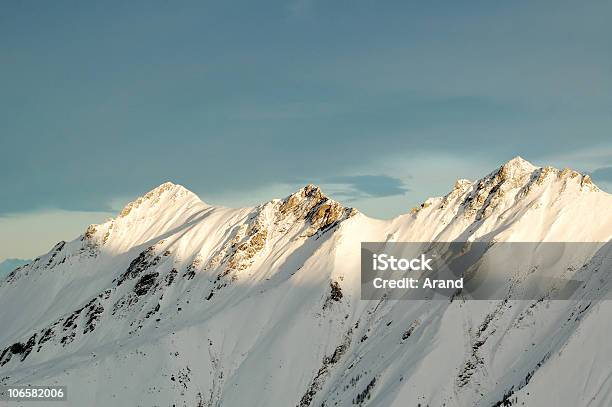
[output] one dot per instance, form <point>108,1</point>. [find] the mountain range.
<point>176,302</point>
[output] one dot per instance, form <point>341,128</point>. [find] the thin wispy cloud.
<point>602,174</point>
<point>370,185</point>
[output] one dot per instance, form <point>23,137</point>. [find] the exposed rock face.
<point>307,209</point>
<point>311,204</point>
<point>246,246</point>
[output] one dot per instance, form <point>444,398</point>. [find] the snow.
<point>236,306</point>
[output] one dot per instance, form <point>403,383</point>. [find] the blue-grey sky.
<point>383,103</point>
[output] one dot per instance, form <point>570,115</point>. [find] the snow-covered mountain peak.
<point>311,203</point>
<point>514,173</point>
<point>307,205</point>
<point>167,194</point>
<point>544,198</point>
<point>519,172</point>
<point>519,163</point>
<point>156,212</point>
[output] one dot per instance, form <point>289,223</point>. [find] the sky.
<point>383,104</point>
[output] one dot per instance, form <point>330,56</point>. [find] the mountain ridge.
<point>195,304</point>
<point>514,172</point>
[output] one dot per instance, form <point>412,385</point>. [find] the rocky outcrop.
<point>307,208</point>
<point>310,204</point>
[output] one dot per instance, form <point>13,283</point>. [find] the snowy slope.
<point>176,302</point>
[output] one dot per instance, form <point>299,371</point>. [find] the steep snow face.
<point>159,212</point>
<point>176,302</point>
